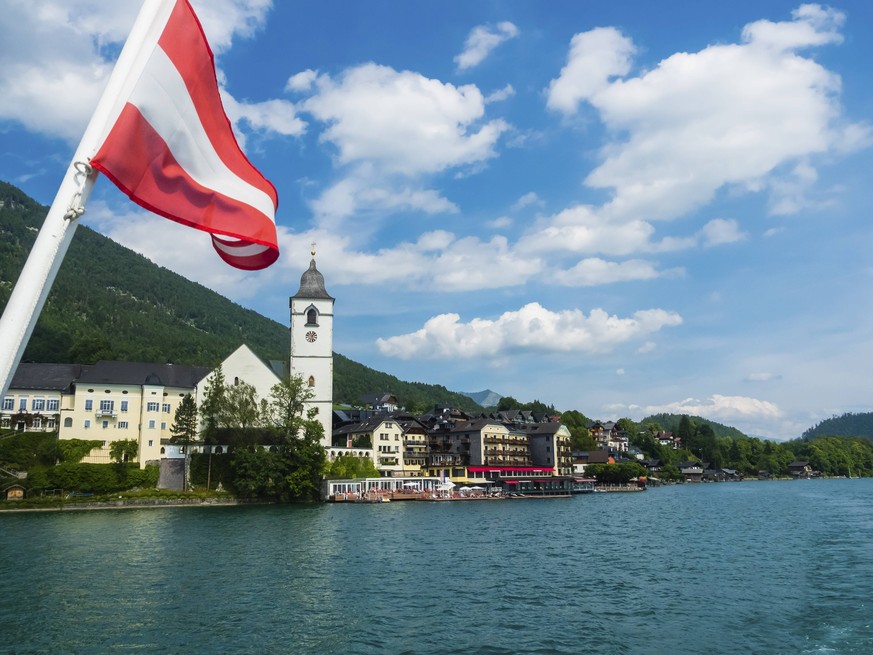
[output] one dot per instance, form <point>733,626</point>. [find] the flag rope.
<point>77,207</point>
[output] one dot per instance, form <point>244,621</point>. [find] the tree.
<point>184,427</point>
<point>213,403</point>
<point>241,407</point>
<point>293,468</point>
<point>123,450</point>
<point>352,467</point>
<point>627,426</point>
<point>287,403</point>
<point>620,473</point>
<point>686,432</point>
<point>576,422</point>
<point>507,403</point>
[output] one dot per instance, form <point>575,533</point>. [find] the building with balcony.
<point>112,401</point>
<point>549,445</point>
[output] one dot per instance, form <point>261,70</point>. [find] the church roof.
<point>312,284</point>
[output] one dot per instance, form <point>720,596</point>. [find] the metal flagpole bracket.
<point>77,207</point>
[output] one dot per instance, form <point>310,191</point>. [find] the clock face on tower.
<point>311,336</point>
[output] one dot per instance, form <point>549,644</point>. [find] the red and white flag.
<point>170,147</point>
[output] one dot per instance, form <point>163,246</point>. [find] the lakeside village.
<point>131,412</point>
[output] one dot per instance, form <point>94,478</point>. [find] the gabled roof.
<point>598,457</point>
<point>534,429</point>
<point>137,373</point>
<point>379,399</point>
<point>365,426</point>
<point>47,377</point>
<point>473,425</point>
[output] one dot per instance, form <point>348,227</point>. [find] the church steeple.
<point>312,343</point>
<point>312,284</point>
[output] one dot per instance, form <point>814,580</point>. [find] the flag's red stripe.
<point>137,159</point>
<point>185,44</point>
<point>247,262</point>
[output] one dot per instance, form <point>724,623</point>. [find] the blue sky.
<point>616,207</point>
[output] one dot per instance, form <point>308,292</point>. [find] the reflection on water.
<point>765,567</point>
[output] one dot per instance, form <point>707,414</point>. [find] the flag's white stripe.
<point>248,250</point>
<point>137,61</point>
<point>163,100</point>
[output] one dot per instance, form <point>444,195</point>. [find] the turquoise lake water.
<point>753,567</point>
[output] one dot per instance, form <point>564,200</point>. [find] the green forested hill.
<point>108,302</point>
<point>847,425</point>
<point>670,423</point>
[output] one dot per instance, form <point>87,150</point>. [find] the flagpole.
<point>45,258</point>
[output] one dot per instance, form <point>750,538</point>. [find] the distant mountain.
<point>485,398</point>
<point>108,302</point>
<point>670,423</point>
<point>847,425</point>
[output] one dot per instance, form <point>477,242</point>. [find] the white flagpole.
<point>45,258</point>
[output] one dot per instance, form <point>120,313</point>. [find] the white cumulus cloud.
<point>403,122</point>
<point>481,41</point>
<point>530,329</point>
<point>699,121</point>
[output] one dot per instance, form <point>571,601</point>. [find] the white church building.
<point>111,401</point>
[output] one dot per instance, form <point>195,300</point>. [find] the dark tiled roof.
<point>534,429</point>
<point>168,375</point>
<point>50,377</point>
<point>473,426</point>
<point>598,457</point>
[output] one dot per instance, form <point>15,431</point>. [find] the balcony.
<point>105,413</point>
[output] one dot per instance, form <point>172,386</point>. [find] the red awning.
<point>507,469</point>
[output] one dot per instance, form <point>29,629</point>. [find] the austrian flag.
<point>169,145</point>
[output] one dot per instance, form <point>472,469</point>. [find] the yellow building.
<point>113,401</point>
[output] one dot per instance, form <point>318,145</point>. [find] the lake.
<point>752,567</point>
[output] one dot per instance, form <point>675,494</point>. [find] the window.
<point>38,405</point>
<point>87,424</point>
<point>122,425</point>
<point>37,422</point>
<point>163,426</point>
<point>107,405</point>
<point>124,405</point>
<point>152,407</point>
<point>152,424</point>
<point>105,424</point>
<point>311,381</point>
<point>89,404</point>
<point>50,424</point>
<point>68,422</point>
<point>166,408</point>
<point>312,316</point>
<point>150,443</point>
<point>53,404</point>
<point>22,403</point>
<point>8,402</point>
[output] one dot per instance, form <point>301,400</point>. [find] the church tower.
<point>312,344</point>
